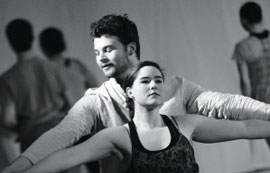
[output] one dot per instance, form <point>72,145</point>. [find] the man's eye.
<point>144,81</point>
<point>96,53</point>
<point>108,49</point>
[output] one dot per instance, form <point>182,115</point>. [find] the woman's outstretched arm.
<point>97,147</point>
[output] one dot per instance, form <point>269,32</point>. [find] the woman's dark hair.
<point>133,74</point>
<point>131,78</point>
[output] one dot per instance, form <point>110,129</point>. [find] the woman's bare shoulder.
<point>118,134</point>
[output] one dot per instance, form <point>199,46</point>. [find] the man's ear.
<point>245,24</point>
<point>129,92</point>
<point>131,49</point>
<point>132,55</point>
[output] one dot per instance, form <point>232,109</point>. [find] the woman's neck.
<point>146,119</point>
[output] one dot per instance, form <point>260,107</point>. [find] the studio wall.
<point>189,38</point>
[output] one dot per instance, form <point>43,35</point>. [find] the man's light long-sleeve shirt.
<point>106,107</point>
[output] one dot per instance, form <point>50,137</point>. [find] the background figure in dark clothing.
<point>32,94</point>
<point>75,74</point>
<point>252,54</point>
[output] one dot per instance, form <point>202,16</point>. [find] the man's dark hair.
<point>251,12</point>
<point>52,41</point>
<point>119,26</point>
<point>19,33</point>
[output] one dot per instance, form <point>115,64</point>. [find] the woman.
<point>152,142</point>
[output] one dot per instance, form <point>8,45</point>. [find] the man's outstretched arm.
<point>229,106</point>
<point>19,164</point>
<point>199,100</point>
<point>77,123</point>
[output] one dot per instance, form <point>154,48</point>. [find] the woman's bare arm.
<point>210,130</point>
<point>97,147</point>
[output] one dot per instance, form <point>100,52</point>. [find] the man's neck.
<point>133,61</point>
<point>56,57</point>
<point>24,56</point>
<point>120,79</point>
<point>257,28</point>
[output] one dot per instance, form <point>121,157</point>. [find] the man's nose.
<point>102,57</point>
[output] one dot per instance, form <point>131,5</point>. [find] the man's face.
<point>111,56</point>
<point>246,25</point>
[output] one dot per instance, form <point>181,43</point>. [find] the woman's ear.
<point>129,92</point>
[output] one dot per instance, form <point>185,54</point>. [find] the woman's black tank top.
<point>177,157</point>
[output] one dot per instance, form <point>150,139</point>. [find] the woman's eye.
<point>159,81</point>
<point>144,81</point>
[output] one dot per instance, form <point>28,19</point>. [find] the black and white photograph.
<point>134,86</point>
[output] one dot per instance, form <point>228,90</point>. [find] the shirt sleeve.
<point>235,107</point>
<point>80,121</point>
<point>191,91</point>
<point>180,96</point>
<point>8,118</point>
<point>236,54</point>
<point>219,105</point>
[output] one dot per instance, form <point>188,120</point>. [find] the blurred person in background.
<point>252,54</point>
<point>77,77</point>
<point>33,95</point>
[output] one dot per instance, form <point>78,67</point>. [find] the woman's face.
<point>147,88</point>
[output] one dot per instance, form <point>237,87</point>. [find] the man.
<point>117,49</point>
<point>252,54</point>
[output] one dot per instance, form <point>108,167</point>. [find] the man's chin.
<point>109,75</point>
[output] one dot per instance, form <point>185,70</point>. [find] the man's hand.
<point>19,164</point>
<point>7,170</point>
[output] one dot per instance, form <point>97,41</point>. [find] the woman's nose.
<point>153,85</point>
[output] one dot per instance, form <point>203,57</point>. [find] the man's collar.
<point>262,35</point>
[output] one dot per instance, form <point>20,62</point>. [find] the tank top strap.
<point>175,133</point>
<point>134,135</point>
